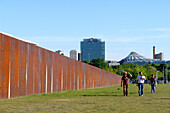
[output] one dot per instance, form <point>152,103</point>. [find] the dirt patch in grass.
<point>62,100</point>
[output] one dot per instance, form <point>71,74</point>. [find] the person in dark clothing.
<point>153,83</point>
<point>125,81</point>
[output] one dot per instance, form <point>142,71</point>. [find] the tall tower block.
<point>154,52</point>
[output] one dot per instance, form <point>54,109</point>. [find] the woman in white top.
<point>140,83</point>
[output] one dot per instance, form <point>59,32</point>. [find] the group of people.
<point>140,83</point>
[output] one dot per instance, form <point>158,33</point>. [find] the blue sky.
<point>124,25</point>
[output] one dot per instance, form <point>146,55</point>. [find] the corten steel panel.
<point>91,73</point>
<point>55,72</point>
<point>33,67</point>
<point>52,72</point>
<point>49,67</point>
<point>14,78</point>
<point>111,79</point>
<point>95,78</point>
<point>75,75</point>
<point>30,70</point>
<point>73,80</point>
<point>5,65</point>
<point>22,69</point>
<point>83,76</point>
<point>59,75</point>
<point>106,78</point>
<point>118,78</point>
<point>102,78</point>
<point>113,82</point>
<point>43,70</point>
<point>79,76</point>
<point>68,74</point>
<point>71,75</point>
<point>1,53</point>
<point>98,78</point>
<point>90,77</point>
<point>37,71</point>
<point>64,73</point>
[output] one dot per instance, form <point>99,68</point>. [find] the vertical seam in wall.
<point>52,79</point>
<point>33,69</point>
<point>74,75</point>
<point>66,74</point>
<point>9,95</point>
<point>62,79</point>
<point>77,77</point>
<point>26,78</point>
<point>46,80</point>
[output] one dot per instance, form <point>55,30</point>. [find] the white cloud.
<point>159,29</point>
<point>136,39</point>
<point>144,30</point>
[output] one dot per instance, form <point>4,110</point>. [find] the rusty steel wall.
<point>27,69</point>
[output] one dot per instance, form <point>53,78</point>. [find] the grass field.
<point>99,100</point>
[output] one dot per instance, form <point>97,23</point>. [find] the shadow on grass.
<point>102,95</point>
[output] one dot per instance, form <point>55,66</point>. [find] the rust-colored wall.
<point>27,69</point>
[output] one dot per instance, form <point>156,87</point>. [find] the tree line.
<point>134,69</point>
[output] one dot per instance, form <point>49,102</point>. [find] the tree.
<point>100,63</point>
<point>134,69</point>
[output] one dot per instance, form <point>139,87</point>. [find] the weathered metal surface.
<point>5,51</point>
<point>27,69</point>
<point>1,81</point>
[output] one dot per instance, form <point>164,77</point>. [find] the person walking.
<point>125,81</point>
<point>153,83</point>
<point>140,83</point>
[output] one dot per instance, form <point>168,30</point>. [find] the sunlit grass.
<point>99,100</point>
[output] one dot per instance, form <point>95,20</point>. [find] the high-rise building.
<point>92,48</point>
<point>60,52</point>
<point>73,54</point>
<point>154,51</point>
<point>79,56</point>
<point>157,56</point>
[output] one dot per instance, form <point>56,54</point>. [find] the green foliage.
<point>99,62</point>
<point>134,69</point>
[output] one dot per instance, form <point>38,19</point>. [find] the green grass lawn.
<point>99,100</point>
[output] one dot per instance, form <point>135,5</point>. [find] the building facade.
<point>157,56</point>
<point>91,49</point>
<point>73,54</point>
<point>79,56</point>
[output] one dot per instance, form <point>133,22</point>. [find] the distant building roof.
<point>135,58</point>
